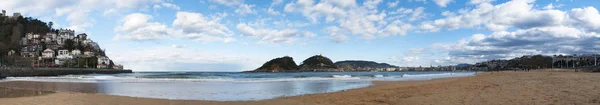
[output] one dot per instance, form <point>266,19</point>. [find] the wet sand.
<point>491,88</point>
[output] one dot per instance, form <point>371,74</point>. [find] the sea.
<point>234,86</point>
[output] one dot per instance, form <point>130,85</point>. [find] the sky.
<point>240,35</point>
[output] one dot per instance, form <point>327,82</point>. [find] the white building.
<point>48,53</point>
<point>103,62</point>
<point>64,54</point>
<point>11,52</point>
<point>88,53</point>
<point>63,35</point>
<point>82,36</point>
<point>29,35</point>
<point>24,41</point>
<point>75,52</point>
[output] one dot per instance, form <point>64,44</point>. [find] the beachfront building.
<point>574,61</point>
<point>64,54</point>
<point>88,54</point>
<point>76,52</point>
<point>103,62</point>
<point>48,54</point>
<point>64,35</point>
<point>62,57</point>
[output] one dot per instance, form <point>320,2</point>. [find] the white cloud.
<point>77,12</point>
<point>481,1</point>
<point>587,18</point>
<point>442,3</point>
<point>336,34</point>
<point>309,34</point>
<point>331,9</point>
<point>245,9</point>
<point>178,57</point>
<point>393,4</point>
<point>506,45</point>
<point>168,5</point>
<point>178,46</point>
<point>276,2</point>
<point>228,2</point>
<point>269,35</point>
<point>516,14</point>
<point>365,20</point>
<point>396,28</point>
<point>417,14</point>
<point>136,26</point>
<point>270,11</point>
<point>371,4</point>
<point>197,27</point>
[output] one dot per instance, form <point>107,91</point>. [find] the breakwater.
<point>25,72</point>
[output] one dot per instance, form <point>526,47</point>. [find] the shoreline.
<point>27,72</point>
<point>507,87</point>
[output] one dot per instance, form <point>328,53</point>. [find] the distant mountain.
<point>357,65</point>
<point>463,65</point>
<point>283,64</point>
<point>318,63</point>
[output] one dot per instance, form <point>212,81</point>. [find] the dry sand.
<point>491,88</point>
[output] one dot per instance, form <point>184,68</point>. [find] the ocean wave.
<point>237,77</point>
<point>341,76</point>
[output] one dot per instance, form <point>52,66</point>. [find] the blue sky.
<point>236,35</point>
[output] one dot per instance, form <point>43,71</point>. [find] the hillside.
<point>357,65</point>
<point>34,43</point>
<point>318,63</point>
<point>13,28</point>
<point>282,64</point>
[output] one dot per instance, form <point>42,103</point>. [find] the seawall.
<point>25,72</point>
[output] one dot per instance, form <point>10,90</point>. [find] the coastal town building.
<point>51,50</point>
<point>48,53</point>
<point>11,52</point>
<point>103,62</point>
<point>573,61</point>
<point>88,54</point>
<point>76,52</point>
<point>64,54</point>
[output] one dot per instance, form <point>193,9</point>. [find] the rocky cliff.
<point>283,64</point>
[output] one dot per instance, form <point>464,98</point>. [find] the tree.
<point>69,44</point>
<point>111,64</point>
<point>50,24</point>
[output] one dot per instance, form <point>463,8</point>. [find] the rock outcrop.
<point>318,63</point>
<point>283,64</point>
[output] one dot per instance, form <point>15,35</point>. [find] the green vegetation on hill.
<point>318,63</point>
<point>283,64</point>
<point>12,29</point>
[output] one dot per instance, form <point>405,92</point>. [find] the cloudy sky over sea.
<point>235,35</point>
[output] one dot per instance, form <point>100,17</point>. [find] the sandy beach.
<point>490,88</point>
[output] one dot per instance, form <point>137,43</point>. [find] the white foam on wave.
<point>378,76</point>
<point>341,76</point>
<point>109,78</point>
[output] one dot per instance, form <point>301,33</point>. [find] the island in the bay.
<point>320,63</point>
<point>27,43</point>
